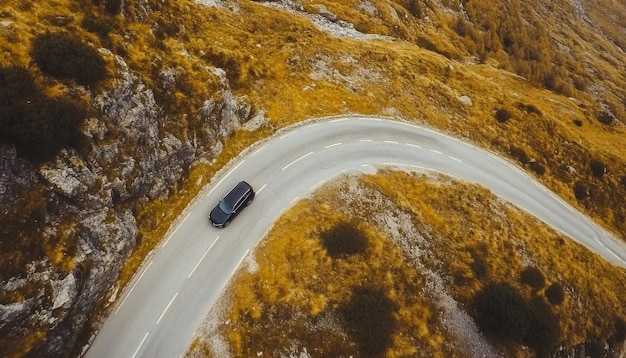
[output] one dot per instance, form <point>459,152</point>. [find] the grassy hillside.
<point>398,264</point>
<point>547,87</point>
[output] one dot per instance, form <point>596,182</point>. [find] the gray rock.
<point>466,100</point>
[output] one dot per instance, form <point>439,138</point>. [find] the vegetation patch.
<point>533,277</point>
<point>66,56</point>
<point>369,318</point>
<point>344,239</point>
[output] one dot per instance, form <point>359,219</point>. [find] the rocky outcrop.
<point>131,159</point>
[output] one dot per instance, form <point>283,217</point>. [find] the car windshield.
<point>225,207</point>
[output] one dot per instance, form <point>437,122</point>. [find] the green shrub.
<point>344,239</point>
<point>503,115</point>
<point>369,319</point>
<point>502,313</point>
<point>533,277</point>
<point>37,125</point>
<point>66,57</point>
<point>598,169</point>
<point>555,294</point>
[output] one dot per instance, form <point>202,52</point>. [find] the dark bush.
<point>537,167</point>
<point>520,154</point>
<point>113,7</point>
<point>544,329</point>
<point>606,117</point>
<point>97,25</point>
<point>598,169</point>
<point>65,56</point>
<point>37,125</point>
<point>369,319</point>
<point>623,181</point>
<point>501,312</point>
<point>620,331</point>
<point>479,267</point>
<point>581,190</point>
<point>533,277</point>
<point>578,122</point>
<point>503,115</point>
<point>344,239</point>
<point>555,294</point>
<point>529,108</point>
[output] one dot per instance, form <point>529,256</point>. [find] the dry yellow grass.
<point>297,289</point>
<point>295,71</point>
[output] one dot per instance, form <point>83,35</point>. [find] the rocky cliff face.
<point>90,197</point>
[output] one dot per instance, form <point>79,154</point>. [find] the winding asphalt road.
<point>168,298</point>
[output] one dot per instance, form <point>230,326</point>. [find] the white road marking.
<point>391,142</point>
<point>202,258</point>
<point>263,187</point>
<point>140,344</point>
<point>240,261</point>
<point>453,158</point>
<point>365,165</point>
<point>286,135</point>
<point>413,145</point>
<point>338,120</point>
<point>167,308</point>
<point>366,140</point>
<point>133,287</point>
<point>294,200</point>
<point>256,151</point>
<point>292,163</point>
<point>435,151</point>
<point>226,176</point>
<point>332,145</point>
<point>395,164</point>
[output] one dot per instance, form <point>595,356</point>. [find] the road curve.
<point>168,298</point>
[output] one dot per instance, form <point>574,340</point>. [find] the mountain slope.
<point>546,87</point>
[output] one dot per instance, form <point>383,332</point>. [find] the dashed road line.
<point>294,162</point>
<point>413,145</point>
<point>263,187</point>
<point>332,145</point>
<point>140,344</point>
<point>202,258</point>
<point>366,140</point>
<point>167,308</point>
<point>454,158</point>
<point>435,151</point>
<point>391,142</point>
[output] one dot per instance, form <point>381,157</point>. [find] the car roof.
<point>238,191</point>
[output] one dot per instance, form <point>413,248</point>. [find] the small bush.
<point>529,108</point>
<point>503,115</point>
<point>113,7</point>
<point>598,169</point>
<point>606,117</point>
<point>623,181</point>
<point>369,319</point>
<point>501,312</point>
<point>520,154</point>
<point>37,125</point>
<point>578,122</point>
<point>65,56</point>
<point>97,25</point>
<point>479,267</point>
<point>544,329</point>
<point>620,331</point>
<point>537,167</point>
<point>344,239</point>
<point>581,190</point>
<point>533,277</point>
<point>555,294</point>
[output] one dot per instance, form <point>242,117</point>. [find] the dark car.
<point>226,210</point>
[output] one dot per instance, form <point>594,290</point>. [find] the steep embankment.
<point>110,132</point>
